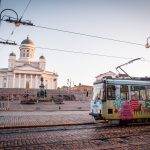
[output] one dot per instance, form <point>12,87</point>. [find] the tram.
<point>121,100</point>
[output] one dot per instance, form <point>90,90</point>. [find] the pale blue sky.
<point>126,20</point>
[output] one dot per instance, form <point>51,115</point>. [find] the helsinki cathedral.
<point>25,70</point>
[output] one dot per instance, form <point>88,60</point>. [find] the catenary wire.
<point>89,35</point>
<point>12,32</point>
<point>80,52</point>
<point>87,53</point>
<point>92,54</point>
<point>25,9</point>
<point>78,33</point>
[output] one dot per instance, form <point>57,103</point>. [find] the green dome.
<point>27,41</point>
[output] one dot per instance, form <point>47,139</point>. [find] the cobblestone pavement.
<point>43,118</point>
<point>89,137</point>
<point>46,106</point>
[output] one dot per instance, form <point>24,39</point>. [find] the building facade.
<point>82,88</point>
<point>106,75</point>
<point>25,70</point>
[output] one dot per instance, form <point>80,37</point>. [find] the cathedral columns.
<point>19,80</point>
<point>24,80</point>
<point>7,85</point>
<point>31,81</point>
<point>35,81</point>
<point>14,78</point>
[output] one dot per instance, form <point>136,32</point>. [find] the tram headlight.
<point>98,111</point>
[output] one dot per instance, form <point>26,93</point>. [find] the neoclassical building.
<point>25,70</point>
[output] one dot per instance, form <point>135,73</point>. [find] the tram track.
<point>70,137</point>
<point>83,141</point>
<point>67,127</point>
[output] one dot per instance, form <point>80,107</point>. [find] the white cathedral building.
<point>25,70</point>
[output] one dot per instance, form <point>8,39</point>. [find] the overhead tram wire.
<point>20,19</point>
<point>83,53</point>
<point>25,9</point>
<point>86,53</point>
<point>91,54</point>
<point>88,35</point>
<point>12,32</point>
<point>76,33</point>
<point>72,32</point>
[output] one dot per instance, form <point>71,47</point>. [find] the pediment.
<point>27,68</point>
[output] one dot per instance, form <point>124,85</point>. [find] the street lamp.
<point>147,45</point>
<point>16,20</point>
<point>10,19</point>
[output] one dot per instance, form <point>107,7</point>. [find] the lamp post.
<point>147,45</point>
<point>16,20</point>
<point>69,83</point>
<point>10,19</point>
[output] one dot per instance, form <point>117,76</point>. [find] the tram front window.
<point>98,92</point>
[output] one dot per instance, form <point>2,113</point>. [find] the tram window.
<point>148,94</point>
<point>110,92</point>
<point>138,92</point>
<point>135,92</point>
<point>142,94</point>
<point>124,93</point>
<point>110,111</point>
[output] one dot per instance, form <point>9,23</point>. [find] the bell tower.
<point>27,50</point>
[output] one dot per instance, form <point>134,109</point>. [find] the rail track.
<point>96,136</point>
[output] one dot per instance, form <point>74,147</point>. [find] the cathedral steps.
<point>17,94</point>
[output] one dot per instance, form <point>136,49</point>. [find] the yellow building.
<point>82,88</point>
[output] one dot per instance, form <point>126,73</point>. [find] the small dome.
<point>12,54</point>
<point>27,41</point>
<point>42,57</point>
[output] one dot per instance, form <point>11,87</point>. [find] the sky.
<point>124,20</point>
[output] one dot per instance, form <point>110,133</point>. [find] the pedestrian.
<point>87,94</point>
